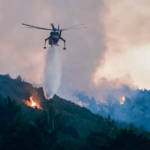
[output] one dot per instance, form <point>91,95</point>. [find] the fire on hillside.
<point>32,103</point>
<point>123,100</point>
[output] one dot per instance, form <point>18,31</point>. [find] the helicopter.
<point>55,34</point>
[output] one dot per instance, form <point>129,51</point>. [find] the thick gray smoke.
<point>136,107</point>
<point>52,72</point>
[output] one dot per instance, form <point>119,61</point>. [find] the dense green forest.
<point>21,129</point>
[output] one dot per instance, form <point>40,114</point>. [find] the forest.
<point>75,128</point>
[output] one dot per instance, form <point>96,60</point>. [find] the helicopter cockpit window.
<point>56,33</point>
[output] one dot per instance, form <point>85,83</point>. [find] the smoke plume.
<point>52,72</point>
<point>135,108</point>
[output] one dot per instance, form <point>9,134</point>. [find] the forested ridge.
<point>23,127</point>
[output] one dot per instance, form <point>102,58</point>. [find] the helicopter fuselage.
<point>54,38</point>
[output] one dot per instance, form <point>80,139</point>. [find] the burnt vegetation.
<point>23,127</point>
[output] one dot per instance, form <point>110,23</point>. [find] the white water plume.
<point>52,72</point>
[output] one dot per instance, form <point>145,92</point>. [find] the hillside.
<point>78,116</point>
<point>25,127</point>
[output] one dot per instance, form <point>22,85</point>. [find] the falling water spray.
<point>52,72</point>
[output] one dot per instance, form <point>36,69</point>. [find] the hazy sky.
<point>127,40</point>
<point>111,52</point>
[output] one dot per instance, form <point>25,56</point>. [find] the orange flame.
<point>122,100</point>
<point>32,103</point>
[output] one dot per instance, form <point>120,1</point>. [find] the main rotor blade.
<point>73,26</point>
<point>78,28</point>
<point>30,26</point>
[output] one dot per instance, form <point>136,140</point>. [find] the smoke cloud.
<point>127,38</point>
<point>52,72</point>
<point>134,109</point>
